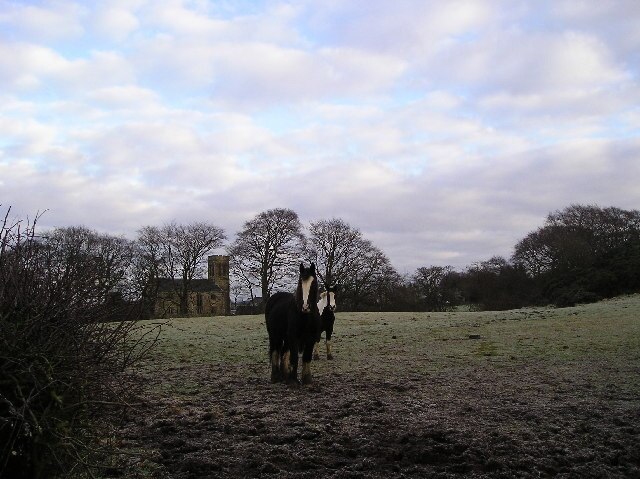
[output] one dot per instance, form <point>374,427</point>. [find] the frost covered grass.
<point>609,330</point>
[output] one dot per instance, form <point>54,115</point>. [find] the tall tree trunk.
<point>184,299</point>
<point>265,290</point>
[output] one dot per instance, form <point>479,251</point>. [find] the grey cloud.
<point>453,218</point>
<point>197,121</point>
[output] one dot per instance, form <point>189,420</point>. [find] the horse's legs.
<point>293,357</point>
<point>275,357</point>
<point>275,366</point>
<point>285,365</point>
<point>306,361</point>
<point>306,373</point>
<point>328,343</point>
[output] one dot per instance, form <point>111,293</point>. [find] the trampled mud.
<point>528,420</point>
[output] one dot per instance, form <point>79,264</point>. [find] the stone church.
<point>207,297</point>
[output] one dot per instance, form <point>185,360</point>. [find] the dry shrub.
<point>63,363</point>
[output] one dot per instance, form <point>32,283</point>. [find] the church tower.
<point>219,273</point>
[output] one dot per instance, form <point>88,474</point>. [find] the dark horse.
<point>293,323</point>
<point>327,306</point>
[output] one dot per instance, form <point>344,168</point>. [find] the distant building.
<point>250,306</point>
<point>207,297</point>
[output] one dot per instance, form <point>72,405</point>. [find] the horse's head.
<point>328,299</point>
<point>307,292</point>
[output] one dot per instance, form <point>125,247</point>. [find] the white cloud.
<point>406,29</point>
<point>209,22</point>
<point>127,97</point>
<point>530,63</point>
<point>29,68</point>
<point>116,22</point>
<point>255,74</point>
<point>615,21</point>
<point>24,137</point>
<point>22,66</point>
<point>174,16</point>
<point>444,130</point>
<point>53,20</point>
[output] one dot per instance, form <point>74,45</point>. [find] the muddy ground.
<point>528,393</point>
<point>520,421</point>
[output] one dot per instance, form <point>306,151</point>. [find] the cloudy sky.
<point>445,131</point>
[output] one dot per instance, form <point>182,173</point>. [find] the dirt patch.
<point>511,420</point>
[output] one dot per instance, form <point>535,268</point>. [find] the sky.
<point>444,130</point>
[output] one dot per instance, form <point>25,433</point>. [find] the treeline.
<point>581,254</point>
<point>264,258</point>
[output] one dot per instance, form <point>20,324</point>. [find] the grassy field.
<point>608,331</point>
<point>443,394</point>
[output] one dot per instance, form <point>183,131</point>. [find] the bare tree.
<point>235,289</point>
<point>179,252</point>
<point>343,257</point>
<point>267,249</point>
<point>365,279</point>
<point>147,266</point>
<point>388,291</point>
<point>428,282</point>
<point>366,273</point>
<point>110,258</point>
<point>334,247</point>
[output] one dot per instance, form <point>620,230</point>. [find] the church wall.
<point>205,303</point>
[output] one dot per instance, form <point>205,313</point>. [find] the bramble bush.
<point>65,367</point>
